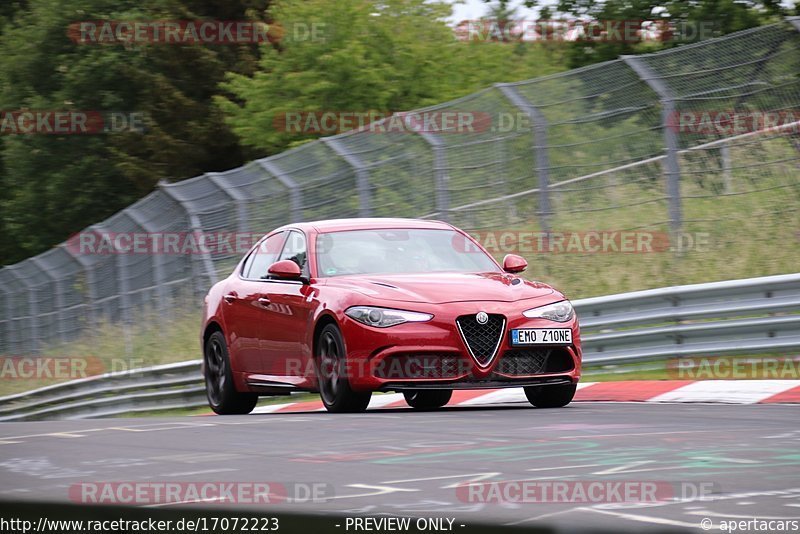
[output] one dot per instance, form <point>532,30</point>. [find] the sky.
<point>474,9</point>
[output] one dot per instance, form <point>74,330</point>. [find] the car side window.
<point>295,250</point>
<point>264,255</point>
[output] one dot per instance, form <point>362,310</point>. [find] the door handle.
<point>230,297</point>
<point>264,301</point>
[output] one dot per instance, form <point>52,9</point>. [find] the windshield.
<point>398,251</point>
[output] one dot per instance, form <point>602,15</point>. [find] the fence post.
<point>295,196</point>
<point>725,156</point>
<point>441,178</point>
<point>5,340</point>
<point>238,199</point>
<point>672,167</point>
<point>90,283</point>
<point>59,296</point>
<point>540,147</point>
<point>194,223</point>
<point>33,312</point>
<point>362,175</point>
<point>157,257</point>
<point>124,298</point>
<point>121,272</point>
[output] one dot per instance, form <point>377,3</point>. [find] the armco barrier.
<point>753,316</point>
<point>159,388</point>
<point>757,315</point>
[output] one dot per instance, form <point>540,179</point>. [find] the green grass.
<point>740,367</point>
<point>747,236</point>
<point>151,340</point>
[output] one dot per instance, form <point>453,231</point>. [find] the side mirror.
<point>514,264</point>
<point>285,269</point>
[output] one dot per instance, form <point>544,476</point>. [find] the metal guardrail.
<point>749,316</point>
<point>159,388</point>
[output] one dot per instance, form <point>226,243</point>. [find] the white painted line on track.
<point>202,472</point>
<point>272,407</point>
<point>562,467</point>
<point>727,391</point>
<point>379,401</point>
<point>499,396</point>
<point>642,518</point>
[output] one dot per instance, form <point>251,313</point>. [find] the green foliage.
<point>385,57</point>
<point>718,17</point>
<point>54,185</point>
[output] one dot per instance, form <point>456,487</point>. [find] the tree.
<point>388,56</point>
<point>508,7</point>
<point>374,55</point>
<point>55,185</point>
<point>694,21</point>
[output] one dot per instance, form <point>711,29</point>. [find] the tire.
<point>428,399</point>
<point>334,387</point>
<point>220,389</point>
<point>550,396</point>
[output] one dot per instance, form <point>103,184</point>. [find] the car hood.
<point>443,288</point>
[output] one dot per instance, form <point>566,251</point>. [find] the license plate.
<point>541,336</point>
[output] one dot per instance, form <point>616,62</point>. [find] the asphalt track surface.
<point>404,463</point>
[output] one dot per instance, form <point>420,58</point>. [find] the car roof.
<point>339,225</point>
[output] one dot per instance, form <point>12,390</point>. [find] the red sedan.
<point>352,306</point>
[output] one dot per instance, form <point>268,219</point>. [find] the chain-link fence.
<point>602,147</point>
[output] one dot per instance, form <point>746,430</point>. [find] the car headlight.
<point>384,317</point>
<point>560,312</point>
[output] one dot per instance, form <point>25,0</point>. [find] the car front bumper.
<point>434,355</point>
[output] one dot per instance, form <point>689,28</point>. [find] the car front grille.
<point>523,362</point>
<point>559,361</point>
<point>420,365</point>
<point>482,340</point>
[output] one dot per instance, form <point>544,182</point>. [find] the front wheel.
<point>550,396</point>
<point>334,386</point>
<point>428,399</point>
<point>220,390</point>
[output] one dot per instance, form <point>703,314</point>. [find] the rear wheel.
<point>550,396</point>
<point>220,390</point>
<point>428,399</point>
<point>334,386</point>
